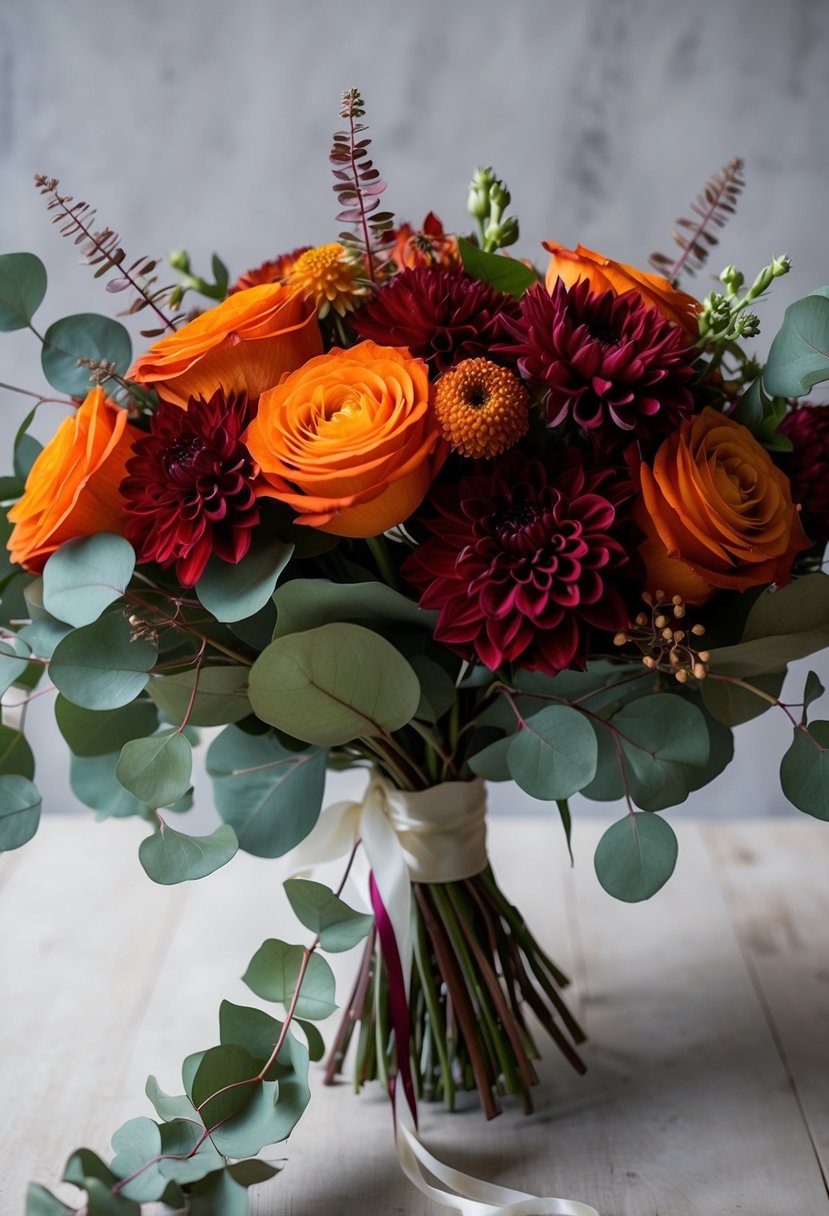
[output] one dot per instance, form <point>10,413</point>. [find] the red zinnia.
<point>189,489</point>
<point>523,562</point>
<point>807,466</point>
<point>442,316</point>
<point>611,363</point>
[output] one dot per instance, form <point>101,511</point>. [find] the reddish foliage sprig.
<point>102,249</point>
<point>358,185</point>
<point>712,209</point>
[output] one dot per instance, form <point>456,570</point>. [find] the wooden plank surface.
<point>707,1086</point>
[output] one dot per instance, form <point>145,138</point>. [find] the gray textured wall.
<point>208,123</point>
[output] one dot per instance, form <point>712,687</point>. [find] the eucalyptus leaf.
<point>333,684</point>
<point>636,856</point>
<point>219,1194</point>
<point>40,1202</point>
<point>799,355</point>
<point>783,625</point>
<point>661,737</point>
<point>220,1067</point>
<point>273,1111</point>
<point>273,972</point>
<point>93,782</point>
<point>554,754</point>
<point>170,857</point>
<point>306,603</point>
<point>14,659</point>
<point>270,796</point>
<point>491,761</point>
<point>156,770</point>
<point>233,592</point>
<point>437,688</point>
<point>804,770</point>
<point>503,272</point>
<point>16,756</point>
<point>136,1143</point>
<point>253,1029</point>
<point>221,695</point>
<point>168,1106</point>
<point>101,666</point>
<point>85,576</point>
<point>733,704</point>
<point>190,1157</point>
<point>85,335</point>
<point>339,927</point>
<point>22,288</point>
<point>82,1164</point>
<point>100,1201</point>
<point>91,732</point>
<point>20,805</point>
<point>813,690</point>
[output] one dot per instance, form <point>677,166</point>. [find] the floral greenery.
<point>310,650</point>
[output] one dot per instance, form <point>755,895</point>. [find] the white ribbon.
<point>425,836</point>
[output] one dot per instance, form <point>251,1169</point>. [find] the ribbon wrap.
<point>425,836</point>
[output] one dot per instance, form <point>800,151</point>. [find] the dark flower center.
<point>477,396</point>
<point>518,518</point>
<point>184,452</point>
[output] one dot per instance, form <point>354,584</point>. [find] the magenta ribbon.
<point>398,1000</point>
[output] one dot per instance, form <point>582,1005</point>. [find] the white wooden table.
<point>708,1010</point>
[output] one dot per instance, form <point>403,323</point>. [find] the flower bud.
<point>732,279</point>
<point>478,201</point>
<point>179,259</point>
<point>781,265</point>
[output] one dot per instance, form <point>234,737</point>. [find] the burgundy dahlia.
<point>189,486</point>
<point>613,365</point>
<point>441,315</point>
<point>807,466</point>
<point>523,561</point>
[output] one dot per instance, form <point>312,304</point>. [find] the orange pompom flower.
<point>330,276</point>
<point>350,440</point>
<point>603,274</point>
<point>716,512</point>
<point>243,345</point>
<point>482,408</point>
<point>73,487</point>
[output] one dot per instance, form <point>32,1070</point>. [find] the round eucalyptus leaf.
<point>85,335</point>
<point>137,1143</point>
<point>170,857</point>
<point>16,757</point>
<point>333,684</point>
<point>554,754</point>
<point>92,732</point>
<point>804,771</point>
<point>22,288</point>
<point>233,592</point>
<point>156,770</point>
<point>102,666</point>
<point>20,804</point>
<point>273,972</point>
<point>221,695</point>
<point>636,856</point>
<point>14,659</point>
<point>85,576</point>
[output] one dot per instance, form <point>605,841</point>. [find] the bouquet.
<point>403,503</point>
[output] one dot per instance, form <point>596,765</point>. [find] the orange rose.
<point>716,512</point>
<point>245,344</point>
<point>350,440</point>
<point>604,274</point>
<point>72,489</point>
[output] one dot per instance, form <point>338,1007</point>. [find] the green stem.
<point>380,553</point>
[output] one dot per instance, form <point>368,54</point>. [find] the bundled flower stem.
<point>477,969</point>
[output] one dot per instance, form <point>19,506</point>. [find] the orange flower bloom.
<point>716,512</point>
<point>349,440</point>
<point>243,345</point>
<point>604,274</point>
<point>430,246</point>
<point>72,489</point>
<point>274,271</point>
<point>482,408</point>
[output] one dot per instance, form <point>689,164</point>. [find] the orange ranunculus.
<point>350,440</point>
<point>716,512</point>
<point>604,274</point>
<point>72,489</point>
<point>243,345</point>
<point>429,246</point>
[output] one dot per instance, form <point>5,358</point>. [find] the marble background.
<point>209,124</point>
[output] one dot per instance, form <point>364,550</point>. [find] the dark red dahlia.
<point>189,486</point>
<point>807,466</point>
<point>613,365</point>
<point>524,560</point>
<point>441,315</point>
